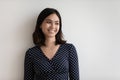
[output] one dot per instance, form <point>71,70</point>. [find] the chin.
<point>51,35</point>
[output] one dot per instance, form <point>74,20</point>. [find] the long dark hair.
<point>38,36</point>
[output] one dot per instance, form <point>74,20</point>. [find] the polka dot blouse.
<point>63,66</point>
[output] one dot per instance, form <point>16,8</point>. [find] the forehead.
<point>52,17</point>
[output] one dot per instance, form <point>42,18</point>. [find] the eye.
<point>57,23</point>
<point>48,22</point>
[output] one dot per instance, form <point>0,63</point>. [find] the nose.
<point>52,25</point>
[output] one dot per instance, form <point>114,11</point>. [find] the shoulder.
<point>31,50</point>
<point>69,45</point>
<point>72,50</point>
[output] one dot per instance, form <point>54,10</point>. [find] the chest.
<point>50,52</point>
<point>59,63</point>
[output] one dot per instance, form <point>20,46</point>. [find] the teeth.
<point>51,30</point>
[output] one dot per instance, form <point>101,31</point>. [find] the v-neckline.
<point>53,56</point>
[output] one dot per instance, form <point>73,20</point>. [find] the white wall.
<point>93,26</point>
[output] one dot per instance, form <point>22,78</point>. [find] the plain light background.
<point>93,26</point>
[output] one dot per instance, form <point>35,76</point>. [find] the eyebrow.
<point>51,20</point>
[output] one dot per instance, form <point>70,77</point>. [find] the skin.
<point>50,28</point>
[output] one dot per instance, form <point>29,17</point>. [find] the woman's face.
<point>50,25</point>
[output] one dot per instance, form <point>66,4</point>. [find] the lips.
<point>51,30</point>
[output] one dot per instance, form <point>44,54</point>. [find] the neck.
<point>50,41</point>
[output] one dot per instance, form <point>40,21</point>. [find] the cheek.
<point>58,28</point>
<point>44,27</point>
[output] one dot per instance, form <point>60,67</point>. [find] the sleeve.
<point>28,67</point>
<point>73,64</point>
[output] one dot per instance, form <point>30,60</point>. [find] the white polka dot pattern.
<point>63,66</point>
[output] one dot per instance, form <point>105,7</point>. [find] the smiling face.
<point>50,25</point>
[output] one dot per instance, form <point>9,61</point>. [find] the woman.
<point>51,58</point>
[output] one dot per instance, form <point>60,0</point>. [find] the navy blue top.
<point>63,66</point>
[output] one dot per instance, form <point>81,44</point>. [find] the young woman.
<point>51,58</point>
